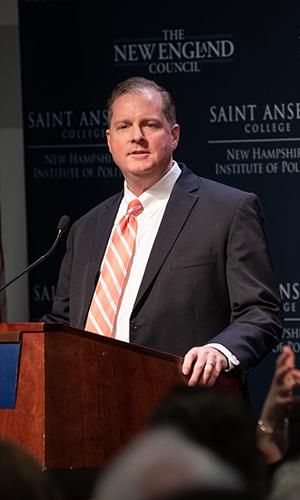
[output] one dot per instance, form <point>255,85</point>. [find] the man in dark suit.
<point>201,282</point>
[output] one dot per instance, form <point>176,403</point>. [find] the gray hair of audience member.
<point>285,483</point>
<point>162,462</point>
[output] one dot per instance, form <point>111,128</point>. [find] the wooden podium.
<point>81,397</point>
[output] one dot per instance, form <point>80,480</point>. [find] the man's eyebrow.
<point>126,120</point>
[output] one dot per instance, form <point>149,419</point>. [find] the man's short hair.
<point>135,85</point>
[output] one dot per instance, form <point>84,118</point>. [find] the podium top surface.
<point>35,327</point>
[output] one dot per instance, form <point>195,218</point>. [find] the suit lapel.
<point>179,207</point>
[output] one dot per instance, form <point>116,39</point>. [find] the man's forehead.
<point>149,104</point>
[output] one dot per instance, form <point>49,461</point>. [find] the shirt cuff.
<point>231,358</point>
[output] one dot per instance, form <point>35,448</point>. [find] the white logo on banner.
<point>70,144</point>
<point>290,295</point>
<point>174,52</point>
<point>70,125</point>
<point>256,138</point>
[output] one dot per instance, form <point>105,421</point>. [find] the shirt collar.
<point>160,191</point>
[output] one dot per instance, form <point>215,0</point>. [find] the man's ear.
<point>175,134</point>
<point>108,138</point>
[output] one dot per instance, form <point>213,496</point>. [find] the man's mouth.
<point>139,153</point>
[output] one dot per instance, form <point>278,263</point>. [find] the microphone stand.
<point>62,227</point>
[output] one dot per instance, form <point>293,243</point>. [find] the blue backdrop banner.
<point>233,69</point>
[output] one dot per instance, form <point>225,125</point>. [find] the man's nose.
<point>137,133</point>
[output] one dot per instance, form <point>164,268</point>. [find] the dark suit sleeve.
<point>256,309</point>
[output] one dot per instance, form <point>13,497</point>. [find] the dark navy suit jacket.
<point>209,276</point>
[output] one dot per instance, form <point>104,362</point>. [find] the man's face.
<point>140,138</point>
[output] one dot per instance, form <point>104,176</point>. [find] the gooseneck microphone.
<point>62,227</point>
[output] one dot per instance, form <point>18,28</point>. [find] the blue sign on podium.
<point>9,365</point>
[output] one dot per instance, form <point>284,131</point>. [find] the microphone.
<point>62,227</point>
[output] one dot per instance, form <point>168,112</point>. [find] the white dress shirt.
<point>154,202</point>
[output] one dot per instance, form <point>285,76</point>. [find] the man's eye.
<point>122,126</point>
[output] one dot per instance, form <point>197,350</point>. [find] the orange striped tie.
<point>114,273</point>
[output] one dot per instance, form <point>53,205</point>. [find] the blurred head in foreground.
<point>219,421</point>
<point>162,464</point>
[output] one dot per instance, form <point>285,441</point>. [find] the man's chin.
<point>141,169</point>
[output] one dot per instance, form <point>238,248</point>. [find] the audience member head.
<point>21,476</point>
<point>219,421</point>
<point>162,464</point>
<point>286,481</point>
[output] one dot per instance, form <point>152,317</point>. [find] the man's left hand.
<point>203,365</point>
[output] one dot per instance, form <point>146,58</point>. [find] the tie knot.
<point>135,207</point>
